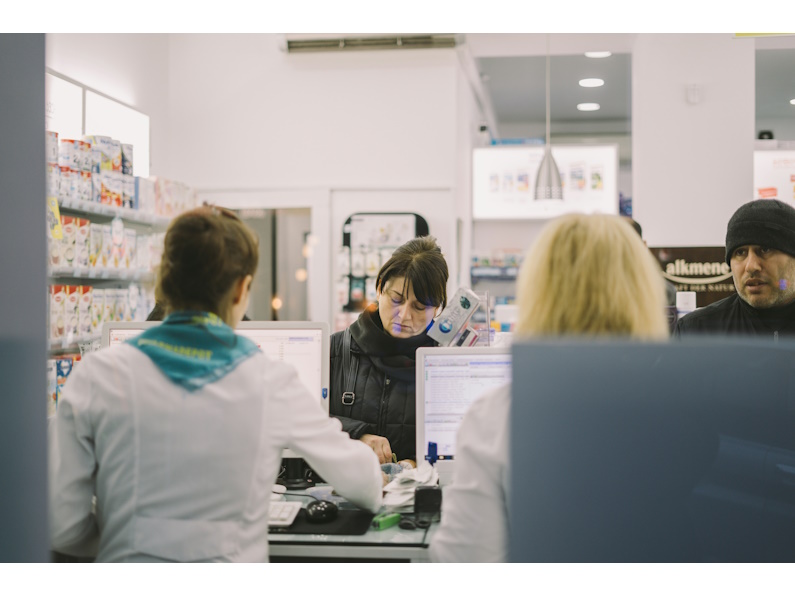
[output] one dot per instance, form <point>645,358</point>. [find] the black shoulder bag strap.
<point>350,370</point>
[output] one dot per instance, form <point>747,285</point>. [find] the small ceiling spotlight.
<point>587,107</point>
<point>598,54</point>
<point>591,82</point>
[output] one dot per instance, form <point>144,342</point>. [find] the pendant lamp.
<point>548,185</point>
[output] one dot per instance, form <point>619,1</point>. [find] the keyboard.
<point>283,513</point>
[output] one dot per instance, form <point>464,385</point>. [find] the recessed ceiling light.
<point>792,101</point>
<point>591,82</point>
<point>587,107</point>
<point>598,54</point>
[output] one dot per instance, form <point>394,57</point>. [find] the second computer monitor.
<point>448,381</point>
<point>302,344</point>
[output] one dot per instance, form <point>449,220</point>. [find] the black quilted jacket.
<point>384,387</point>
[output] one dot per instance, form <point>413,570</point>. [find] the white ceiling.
<point>512,68</point>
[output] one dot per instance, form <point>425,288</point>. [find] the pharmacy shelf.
<point>89,208</point>
<point>102,273</point>
<point>484,272</point>
<point>71,343</point>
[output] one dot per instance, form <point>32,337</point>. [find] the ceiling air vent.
<point>345,44</point>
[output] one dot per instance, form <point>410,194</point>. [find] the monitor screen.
<point>675,451</point>
<point>304,345</point>
<point>448,381</point>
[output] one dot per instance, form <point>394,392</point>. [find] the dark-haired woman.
<point>373,389</point>
<point>179,432</point>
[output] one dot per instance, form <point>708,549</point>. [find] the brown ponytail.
<point>206,251</point>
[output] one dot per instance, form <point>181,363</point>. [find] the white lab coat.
<point>474,526</point>
<point>186,476</point>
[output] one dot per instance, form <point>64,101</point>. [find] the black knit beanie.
<point>765,222</point>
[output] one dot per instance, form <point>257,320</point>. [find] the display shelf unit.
<point>486,273</point>
<point>71,344</point>
<point>109,274</point>
<point>91,208</point>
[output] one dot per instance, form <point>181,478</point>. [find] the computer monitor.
<point>449,379</point>
<point>627,451</point>
<point>118,332</point>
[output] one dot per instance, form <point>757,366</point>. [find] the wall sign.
<point>702,270</point>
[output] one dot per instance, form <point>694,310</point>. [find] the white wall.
<point>246,115</point>
<point>692,164</point>
<point>132,68</point>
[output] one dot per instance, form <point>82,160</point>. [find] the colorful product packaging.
<point>69,154</point>
<point>82,242</point>
<point>144,195</point>
<point>117,242</point>
<point>130,243</point>
<point>86,186</point>
<point>127,159</point>
<point>128,191</point>
<point>97,310</point>
<point>85,312</point>
<point>52,388</point>
<point>109,313</point>
<point>107,246</point>
<point>72,312</point>
<point>53,179</point>
<point>95,245</point>
<point>66,184</point>
<point>57,312</point>
<point>84,148</point>
<point>51,147</point>
<point>67,245</point>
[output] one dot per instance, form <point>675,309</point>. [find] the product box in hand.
<point>51,147</point>
<point>52,387</point>
<point>72,312</point>
<point>454,317</point>
<point>82,242</point>
<point>67,245</point>
<point>57,312</point>
<point>127,159</point>
<point>97,310</point>
<point>84,311</point>
<point>95,245</point>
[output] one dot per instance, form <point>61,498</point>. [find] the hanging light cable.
<point>548,185</point>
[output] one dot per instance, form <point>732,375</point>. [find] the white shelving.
<point>102,273</point>
<point>125,213</point>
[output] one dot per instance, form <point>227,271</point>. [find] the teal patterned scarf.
<point>194,348</point>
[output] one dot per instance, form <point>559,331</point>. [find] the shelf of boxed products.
<point>489,272</point>
<point>89,208</point>
<point>102,273</point>
<point>72,343</point>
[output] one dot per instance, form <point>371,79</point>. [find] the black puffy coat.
<point>384,387</point>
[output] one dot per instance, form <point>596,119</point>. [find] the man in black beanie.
<point>760,249</point>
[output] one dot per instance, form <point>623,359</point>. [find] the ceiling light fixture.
<point>792,101</point>
<point>588,107</point>
<point>591,82</point>
<point>598,54</point>
<point>548,185</point>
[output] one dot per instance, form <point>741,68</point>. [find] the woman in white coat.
<point>586,275</point>
<point>179,432</point>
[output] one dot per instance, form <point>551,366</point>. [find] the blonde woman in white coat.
<point>586,275</point>
<point>179,432</point>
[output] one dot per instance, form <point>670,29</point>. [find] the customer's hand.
<point>380,446</point>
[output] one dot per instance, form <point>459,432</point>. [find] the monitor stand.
<point>294,474</point>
